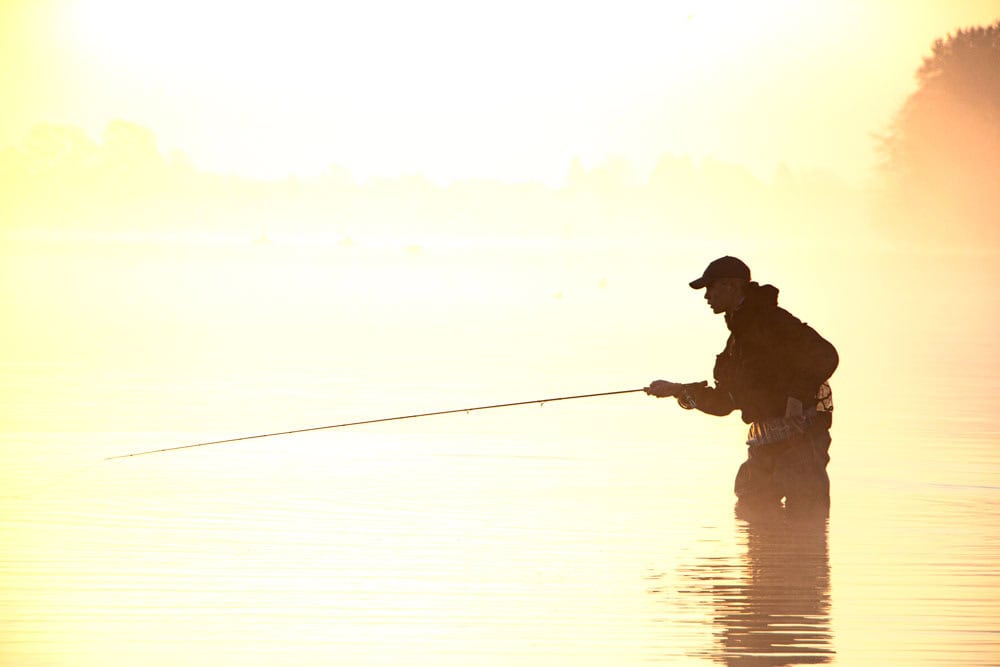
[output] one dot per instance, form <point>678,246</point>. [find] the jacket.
<point>770,356</point>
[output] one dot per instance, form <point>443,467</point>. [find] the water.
<point>585,532</point>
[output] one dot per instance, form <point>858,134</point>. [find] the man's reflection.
<point>772,606</point>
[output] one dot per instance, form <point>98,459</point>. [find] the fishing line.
<point>373,421</point>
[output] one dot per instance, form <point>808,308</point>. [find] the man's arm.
<point>697,395</point>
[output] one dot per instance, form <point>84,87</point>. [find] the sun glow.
<point>445,88</point>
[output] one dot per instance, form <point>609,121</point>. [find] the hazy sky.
<point>454,89</point>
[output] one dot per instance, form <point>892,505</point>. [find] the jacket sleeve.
<point>710,400</point>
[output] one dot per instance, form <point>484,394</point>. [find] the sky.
<point>456,90</point>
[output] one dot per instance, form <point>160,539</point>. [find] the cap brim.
<point>699,283</point>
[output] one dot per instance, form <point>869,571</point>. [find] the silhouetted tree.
<point>942,153</point>
<point>60,147</point>
<point>129,143</point>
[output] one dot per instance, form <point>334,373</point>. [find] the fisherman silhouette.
<point>774,369</point>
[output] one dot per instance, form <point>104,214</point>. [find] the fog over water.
<point>442,248</point>
<point>592,531</point>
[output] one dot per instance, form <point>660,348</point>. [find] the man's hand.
<point>663,389</point>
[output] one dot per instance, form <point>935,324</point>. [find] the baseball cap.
<point>724,267</point>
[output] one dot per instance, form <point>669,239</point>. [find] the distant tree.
<point>131,146</point>
<point>942,152</point>
<point>59,147</point>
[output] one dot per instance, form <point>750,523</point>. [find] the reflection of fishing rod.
<point>375,421</point>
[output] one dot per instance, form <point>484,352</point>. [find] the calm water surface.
<point>586,533</point>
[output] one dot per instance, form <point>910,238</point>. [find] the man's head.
<point>725,281</point>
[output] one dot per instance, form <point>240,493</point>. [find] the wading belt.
<point>779,429</point>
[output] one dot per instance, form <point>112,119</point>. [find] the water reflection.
<point>770,601</point>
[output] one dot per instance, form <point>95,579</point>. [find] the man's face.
<point>723,295</point>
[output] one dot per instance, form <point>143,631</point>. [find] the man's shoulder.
<point>786,316</point>
<point>766,313</point>
<point>776,322</point>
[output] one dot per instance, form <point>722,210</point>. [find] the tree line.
<point>939,180</point>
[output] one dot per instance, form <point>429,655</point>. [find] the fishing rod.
<point>374,421</point>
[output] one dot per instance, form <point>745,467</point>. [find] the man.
<point>775,370</point>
